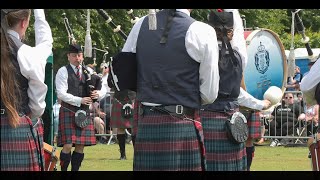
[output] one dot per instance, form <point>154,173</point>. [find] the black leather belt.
<point>175,110</point>
<point>4,113</point>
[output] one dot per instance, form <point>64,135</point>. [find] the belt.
<point>175,110</point>
<point>3,113</point>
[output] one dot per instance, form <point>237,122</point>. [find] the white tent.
<point>302,53</point>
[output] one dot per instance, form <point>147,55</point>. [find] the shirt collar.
<point>74,67</point>
<point>184,11</point>
<point>13,33</point>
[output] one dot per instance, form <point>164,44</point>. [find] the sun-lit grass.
<point>102,157</point>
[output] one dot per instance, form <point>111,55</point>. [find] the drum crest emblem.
<point>262,59</point>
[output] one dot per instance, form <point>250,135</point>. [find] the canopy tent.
<point>302,57</point>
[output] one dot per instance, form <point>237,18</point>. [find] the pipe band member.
<point>23,90</point>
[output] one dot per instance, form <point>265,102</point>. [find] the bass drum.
<point>267,64</point>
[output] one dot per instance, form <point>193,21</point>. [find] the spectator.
<point>284,118</point>
<point>56,109</point>
<point>293,82</point>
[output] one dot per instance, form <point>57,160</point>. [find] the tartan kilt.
<point>254,124</point>
<point>136,108</point>
<point>222,154</point>
<point>165,143</point>
<point>116,120</point>
<point>70,133</point>
<point>18,147</point>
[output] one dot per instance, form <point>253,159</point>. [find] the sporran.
<point>81,119</point>
<point>237,128</point>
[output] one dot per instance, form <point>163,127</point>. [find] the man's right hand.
<point>266,103</point>
<point>86,100</point>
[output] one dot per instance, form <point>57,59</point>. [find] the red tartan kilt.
<point>254,124</point>
<point>70,133</point>
<point>19,142</point>
<point>116,120</point>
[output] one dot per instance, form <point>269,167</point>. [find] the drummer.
<point>227,102</point>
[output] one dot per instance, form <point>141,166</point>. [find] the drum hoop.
<point>48,148</point>
<point>283,54</point>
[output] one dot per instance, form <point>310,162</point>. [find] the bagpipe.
<point>123,69</point>
<point>297,22</point>
<point>92,81</point>
<point>313,142</point>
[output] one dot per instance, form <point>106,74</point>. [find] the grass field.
<point>102,157</point>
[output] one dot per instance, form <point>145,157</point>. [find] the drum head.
<point>267,65</point>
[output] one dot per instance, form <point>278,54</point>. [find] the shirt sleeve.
<point>32,62</point>
<point>201,44</point>
<point>309,83</point>
<point>247,100</point>
<point>131,42</point>
<point>61,82</point>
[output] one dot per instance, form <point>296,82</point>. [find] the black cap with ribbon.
<point>74,48</point>
<point>221,19</point>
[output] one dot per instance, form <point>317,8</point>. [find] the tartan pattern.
<point>70,133</point>
<point>136,107</point>
<point>165,143</point>
<point>18,148</point>
<point>116,120</point>
<point>221,153</point>
<point>254,124</point>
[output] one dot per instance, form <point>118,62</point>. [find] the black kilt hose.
<point>222,154</point>
<point>20,149</point>
<point>70,133</point>
<point>166,143</point>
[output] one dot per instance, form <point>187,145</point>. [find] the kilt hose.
<point>166,143</point>
<point>20,149</point>
<point>70,133</point>
<point>254,124</point>
<point>116,120</point>
<point>222,154</point>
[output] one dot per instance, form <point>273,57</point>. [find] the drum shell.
<point>266,64</point>
<point>51,157</point>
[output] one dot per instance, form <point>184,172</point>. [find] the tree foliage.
<point>102,34</point>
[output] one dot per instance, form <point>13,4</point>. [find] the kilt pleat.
<point>18,147</point>
<point>221,153</point>
<point>116,120</point>
<point>254,124</point>
<point>165,143</point>
<point>70,133</point>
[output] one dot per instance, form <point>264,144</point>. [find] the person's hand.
<point>266,103</point>
<point>94,94</point>
<point>86,100</point>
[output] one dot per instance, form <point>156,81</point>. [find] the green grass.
<point>102,157</point>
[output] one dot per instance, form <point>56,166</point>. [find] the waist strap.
<point>175,110</point>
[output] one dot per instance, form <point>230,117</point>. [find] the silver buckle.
<point>179,109</point>
<point>2,111</point>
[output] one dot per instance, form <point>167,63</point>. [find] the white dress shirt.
<point>32,62</point>
<point>309,83</point>
<point>105,85</point>
<point>201,45</point>
<point>61,82</point>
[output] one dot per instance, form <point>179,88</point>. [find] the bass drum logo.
<point>262,59</point>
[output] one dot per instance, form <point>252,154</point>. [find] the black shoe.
<point>103,140</point>
<point>123,158</point>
